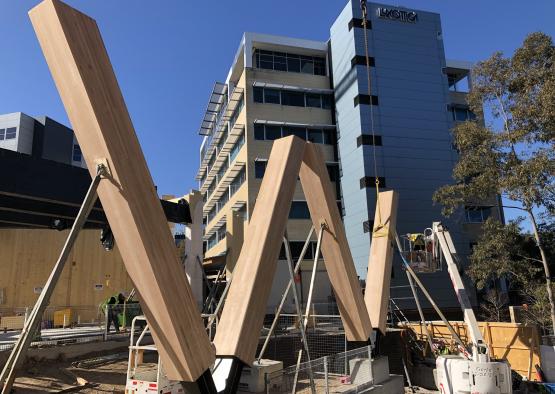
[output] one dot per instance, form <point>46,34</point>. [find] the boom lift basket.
<point>421,250</point>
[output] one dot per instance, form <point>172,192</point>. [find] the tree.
<point>515,160</point>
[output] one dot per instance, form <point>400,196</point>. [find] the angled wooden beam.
<point>380,261</point>
<point>83,74</point>
<point>322,203</point>
<point>243,315</point>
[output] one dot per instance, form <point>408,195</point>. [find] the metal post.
<point>419,307</point>
<point>296,377</point>
<point>302,326</point>
<point>327,387</point>
<point>106,320</point>
<point>211,292</point>
<point>429,297</point>
<point>313,277</point>
<point>289,285</point>
<point>370,347</point>
<point>221,301</point>
<point>8,373</point>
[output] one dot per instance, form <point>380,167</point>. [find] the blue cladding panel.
<point>416,157</point>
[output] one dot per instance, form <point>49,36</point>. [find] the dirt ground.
<point>64,378</point>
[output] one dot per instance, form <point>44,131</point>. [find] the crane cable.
<point>380,230</point>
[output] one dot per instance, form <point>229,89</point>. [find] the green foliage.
<point>504,252</point>
<point>536,306</point>
<point>516,161</point>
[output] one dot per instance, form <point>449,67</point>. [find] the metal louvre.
<point>229,176</point>
<point>217,124</point>
<point>221,157</point>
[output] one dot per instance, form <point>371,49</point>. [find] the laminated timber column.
<point>83,74</point>
<point>380,261</point>
<point>243,315</point>
<point>322,204</point>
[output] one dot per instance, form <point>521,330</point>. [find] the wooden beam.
<point>381,258</point>
<point>243,315</point>
<point>322,203</point>
<point>83,74</point>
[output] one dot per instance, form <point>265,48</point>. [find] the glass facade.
<point>273,132</point>
<point>289,62</point>
<point>293,98</point>
<point>8,134</point>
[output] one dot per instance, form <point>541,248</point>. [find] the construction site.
<point>304,262</point>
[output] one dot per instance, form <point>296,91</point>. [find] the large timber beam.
<point>380,261</point>
<point>322,203</point>
<point>83,74</point>
<point>243,315</point>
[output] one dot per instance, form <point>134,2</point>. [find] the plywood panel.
<point>243,315</point>
<point>380,261</point>
<point>321,200</point>
<point>83,74</point>
<point>28,256</point>
<point>514,342</point>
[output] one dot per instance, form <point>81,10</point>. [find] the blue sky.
<point>167,55</point>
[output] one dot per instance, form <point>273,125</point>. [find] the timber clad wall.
<point>27,258</point>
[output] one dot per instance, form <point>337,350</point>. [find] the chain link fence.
<point>324,333</point>
<point>348,371</point>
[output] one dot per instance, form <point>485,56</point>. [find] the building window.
<point>370,181</point>
<point>368,226</point>
<point>259,168</point>
<point>297,131</point>
<point>258,94</point>
<point>299,210</point>
<point>77,156</point>
<point>271,96</point>
<point>281,61</point>
<point>11,133</point>
<point>273,132</point>
<point>221,232</point>
<point>357,22</point>
<point>292,98</point>
<point>212,241</point>
<point>259,132</point>
<point>237,182</point>
<point>359,60</point>
<point>365,99</point>
<point>314,100</point>
<point>315,135</point>
<point>333,172</point>
<point>236,148</point>
<point>461,114</point>
<point>368,139</point>
<point>477,214</point>
<point>237,111</point>
<point>296,248</point>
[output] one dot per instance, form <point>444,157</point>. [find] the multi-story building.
<point>279,86</point>
<point>276,87</point>
<point>40,137</point>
